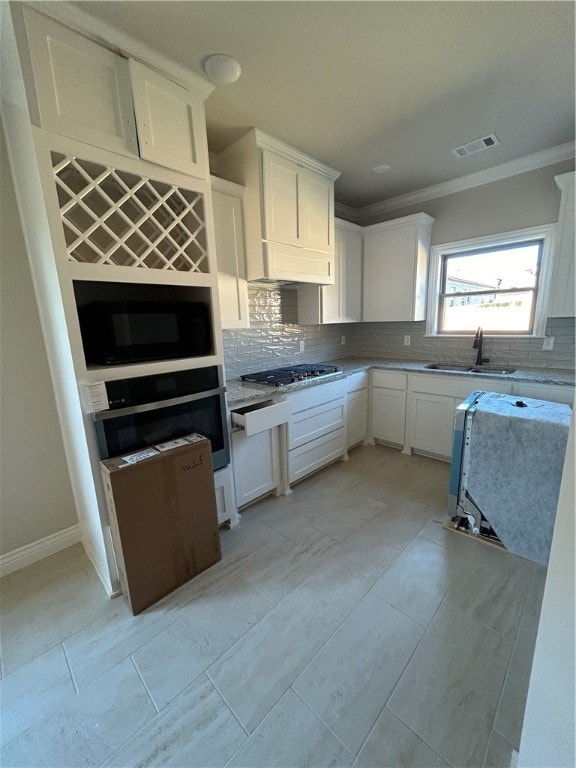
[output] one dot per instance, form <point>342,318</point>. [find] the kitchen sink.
<point>494,370</point>
<point>447,367</point>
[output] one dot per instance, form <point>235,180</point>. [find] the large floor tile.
<point>179,654</point>
<point>89,728</point>
<point>434,531</point>
<point>536,592</point>
<point>349,681</point>
<point>278,569</point>
<point>449,691</point>
<point>510,714</point>
<point>350,570</point>
<point>34,691</point>
<point>418,580</point>
<point>392,745</point>
<point>45,603</point>
<point>492,587</point>
<point>255,672</point>
<point>399,522</point>
<point>290,735</point>
<point>499,753</point>
<point>110,639</point>
<point>197,730</point>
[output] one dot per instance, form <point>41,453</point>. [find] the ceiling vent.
<point>477,145</point>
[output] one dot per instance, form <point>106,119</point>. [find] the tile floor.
<point>342,627</point>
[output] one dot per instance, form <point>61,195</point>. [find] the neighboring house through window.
<point>498,282</point>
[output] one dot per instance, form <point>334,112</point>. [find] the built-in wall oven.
<point>147,410</point>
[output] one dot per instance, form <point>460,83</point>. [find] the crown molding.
<point>497,173</point>
<point>346,212</point>
<point>264,141</point>
<point>104,34</point>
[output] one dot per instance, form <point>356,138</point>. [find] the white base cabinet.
<point>545,392</point>
<point>256,464</point>
<point>389,407</point>
<point>317,428</point>
<point>357,408</point>
<point>432,423</point>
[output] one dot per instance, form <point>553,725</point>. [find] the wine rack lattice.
<point>110,216</point>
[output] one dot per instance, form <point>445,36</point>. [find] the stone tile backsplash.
<point>273,340</point>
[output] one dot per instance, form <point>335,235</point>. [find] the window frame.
<point>545,233</point>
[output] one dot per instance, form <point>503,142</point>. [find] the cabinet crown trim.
<point>225,186</point>
<point>264,141</point>
<point>564,180</point>
<point>418,218</point>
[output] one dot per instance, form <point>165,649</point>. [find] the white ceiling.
<point>359,84</point>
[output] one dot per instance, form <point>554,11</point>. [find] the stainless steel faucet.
<point>478,341</point>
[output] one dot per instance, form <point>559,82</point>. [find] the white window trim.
<point>545,232</point>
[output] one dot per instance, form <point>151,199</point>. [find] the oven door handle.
<point>116,412</point>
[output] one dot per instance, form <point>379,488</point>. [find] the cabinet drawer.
<point>261,416</point>
<point>546,392</point>
<point>315,422</point>
<point>317,395</point>
<point>457,386</point>
<point>308,458</point>
<point>389,380</point>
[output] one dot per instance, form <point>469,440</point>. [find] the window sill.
<point>486,336</point>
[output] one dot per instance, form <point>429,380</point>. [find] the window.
<point>498,283</point>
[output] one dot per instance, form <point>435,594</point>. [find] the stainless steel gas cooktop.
<point>278,377</point>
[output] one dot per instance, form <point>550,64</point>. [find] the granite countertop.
<point>240,392</point>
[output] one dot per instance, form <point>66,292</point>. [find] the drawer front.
<point>315,422</point>
<point>546,392</point>
<point>389,379</point>
<point>316,454</point>
<point>261,417</point>
<point>317,395</point>
<point>357,381</point>
<point>457,386</point>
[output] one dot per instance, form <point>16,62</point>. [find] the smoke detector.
<point>476,145</point>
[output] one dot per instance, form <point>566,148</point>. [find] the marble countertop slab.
<point>239,392</point>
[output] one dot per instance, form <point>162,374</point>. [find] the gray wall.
<point>521,201</point>
<point>36,496</point>
<point>526,200</point>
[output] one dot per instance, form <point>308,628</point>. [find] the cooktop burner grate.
<point>278,377</point>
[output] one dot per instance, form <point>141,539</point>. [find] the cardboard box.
<point>163,518</point>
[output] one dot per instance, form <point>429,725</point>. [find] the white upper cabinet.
<point>341,302</point>
<point>395,269</point>
<point>288,209</point>
<point>230,254</point>
<point>84,91</point>
<point>170,122</point>
<point>562,291</point>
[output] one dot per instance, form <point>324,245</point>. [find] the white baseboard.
<point>38,550</point>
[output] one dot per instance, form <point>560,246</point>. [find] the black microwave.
<point>116,332</point>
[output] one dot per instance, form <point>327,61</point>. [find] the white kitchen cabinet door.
<point>316,211</point>
<point>314,455</point>
<point>546,392</point>
<point>256,464</point>
<point>230,254</point>
<point>432,423</point>
<point>389,415</point>
<point>281,207</point>
<point>82,89</point>
<point>395,269</point>
<point>342,301</point>
<point>562,299</point>
<point>170,122</point>
<point>356,417</point>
